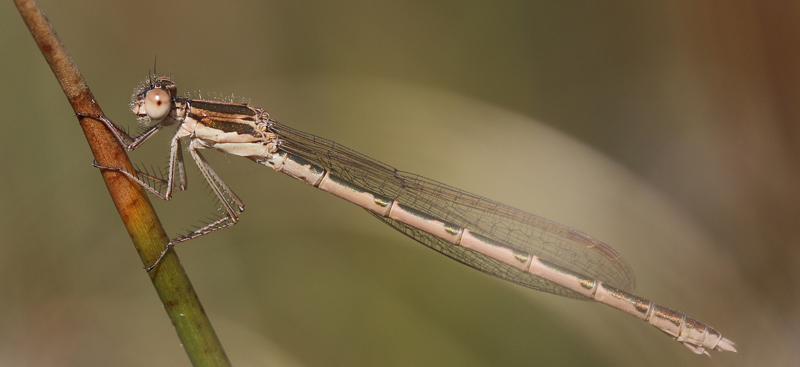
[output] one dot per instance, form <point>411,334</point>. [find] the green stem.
<point>169,279</point>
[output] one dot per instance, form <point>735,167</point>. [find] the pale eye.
<point>157,103</point>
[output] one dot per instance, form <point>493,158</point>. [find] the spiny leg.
<point>175,159</point>
<point>122,137</point>
<point>232,204</point>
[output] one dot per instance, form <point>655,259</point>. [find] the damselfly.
<point>484,234</point>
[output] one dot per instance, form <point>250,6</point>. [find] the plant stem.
<point>169,279</point>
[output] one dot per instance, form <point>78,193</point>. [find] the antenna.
<point>155,62</point>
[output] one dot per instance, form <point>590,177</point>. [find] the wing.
<point>551,241</point>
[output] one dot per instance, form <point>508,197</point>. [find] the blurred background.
<point>667,129</point>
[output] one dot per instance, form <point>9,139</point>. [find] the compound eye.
<point>157,103</point>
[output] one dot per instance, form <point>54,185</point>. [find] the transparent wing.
<point>551,241</point>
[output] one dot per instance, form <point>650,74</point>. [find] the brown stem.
<point>171,282</point>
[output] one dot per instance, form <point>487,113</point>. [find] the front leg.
<point>123,138</point>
